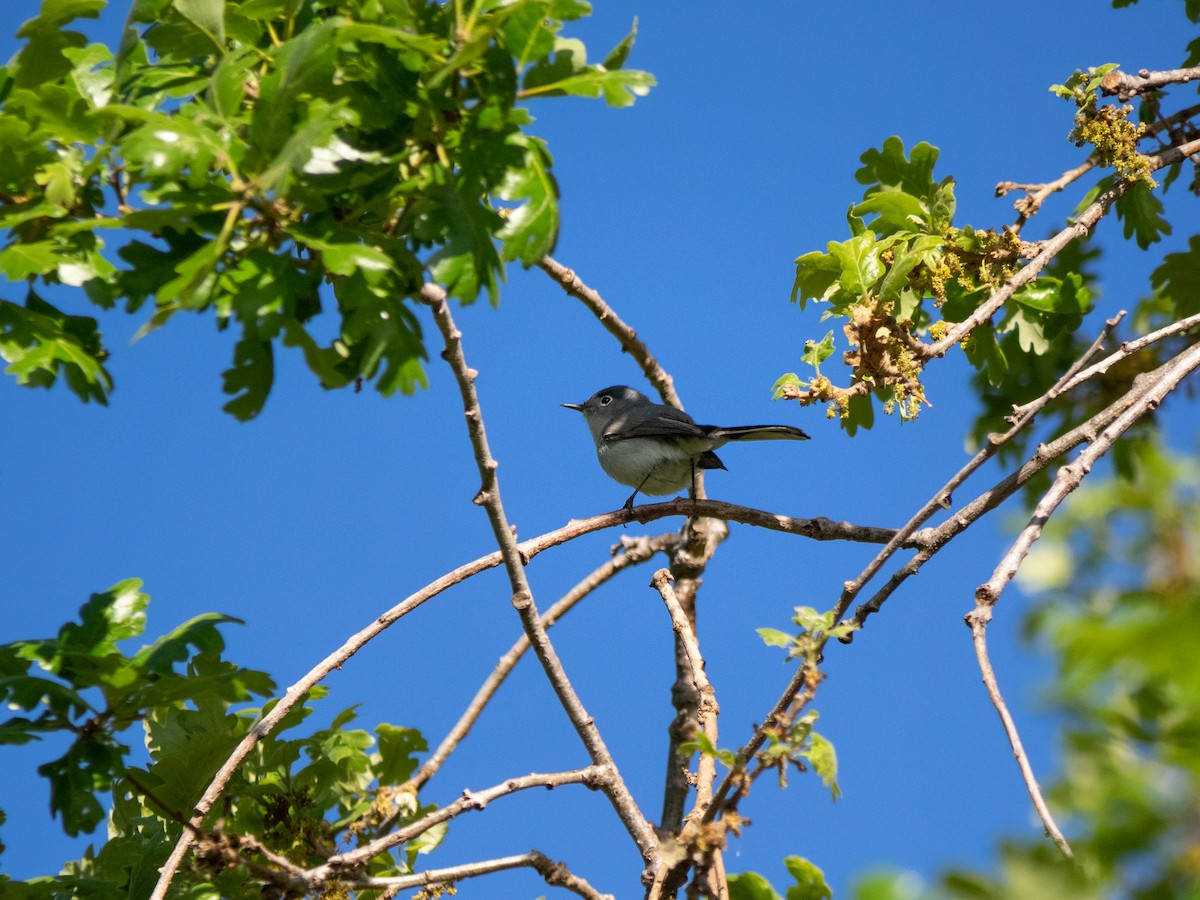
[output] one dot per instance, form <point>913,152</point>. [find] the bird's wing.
<point>666,422</point>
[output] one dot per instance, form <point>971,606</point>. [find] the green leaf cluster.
<point>299,796</point>
<point>296,168</point>
<point>815,629</point>
<point>908,271</point>
<point>81,684</point>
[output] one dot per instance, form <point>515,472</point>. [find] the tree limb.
<point>1127,86</point>
<point>522,598</point>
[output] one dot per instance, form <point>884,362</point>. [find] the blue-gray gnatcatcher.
<point>656,449</point>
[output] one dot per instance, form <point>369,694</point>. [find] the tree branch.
<point>941,498</point>
<point>1147,397</point>
<point>1127,86</point>
<point>819,529</point>
<point>1127,348</point>
<point>595,778</point>
<point>554,873</point>
<point>522,598</point>
<point>978,628</point>
<point>1051,248</point>
<point>630,343</point>
<point>633,551</point>
<point>935,538</point>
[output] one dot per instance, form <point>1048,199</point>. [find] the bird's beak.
<point>578,407</point>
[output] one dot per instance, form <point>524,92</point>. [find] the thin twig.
<point>555,874</point>
<point>1148,395</point>
<point>978,628</point>
<point>488,497</point>
<point>1127,348</point>
<point>630,343</point>
<point>592,777</point>
<point>935,538</point>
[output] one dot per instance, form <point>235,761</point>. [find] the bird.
<point>656,449</point>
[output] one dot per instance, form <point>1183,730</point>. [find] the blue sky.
<point>685,212</point>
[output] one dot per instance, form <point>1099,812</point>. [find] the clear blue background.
<point>685,212</point>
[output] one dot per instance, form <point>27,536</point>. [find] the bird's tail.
<point>759,433</point>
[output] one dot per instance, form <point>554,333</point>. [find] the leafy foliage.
<point>279,165</point>
<point>297,796</point>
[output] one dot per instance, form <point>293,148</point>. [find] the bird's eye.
<point>605,400</point>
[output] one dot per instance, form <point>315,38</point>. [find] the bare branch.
<point>522,598</point>
<point>935,538</point>
<point>1148,395</point>
<point>978,628</point>
<point>1128,348</point>
<point>633,551</point>
<point>1036,194</point>
<point>630,343</point>
<point>554,873</point>
<point>593,777</point>
<point>1126,86</point>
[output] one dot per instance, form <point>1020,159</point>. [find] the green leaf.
<point>890,168</point>
<point>1178,279</point>
<point>250,377</point>
<point>897,211</point>
<point>860,262</point>
<point>790,380</point>
<point>40,343</point>
<point>816,352</point>
<point>530,230</point>
<point>566,72</point>
<point>397,749</point>
<point>1051,295</point>
<point>773,637</point>
<point>816,274</point>
<point>1141,212</point>
<point>810,880</point>
<point>619,55</point>
<point>824,762</point>
<point>751,886</point>
<point>43,58</point>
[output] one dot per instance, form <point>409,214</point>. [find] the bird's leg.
<point>641,484</point>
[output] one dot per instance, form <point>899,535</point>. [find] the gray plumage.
<point>656,449</point>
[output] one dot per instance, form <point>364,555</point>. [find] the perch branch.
<point>819,529</point>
